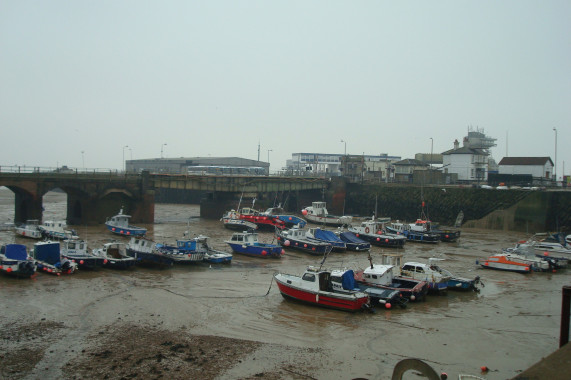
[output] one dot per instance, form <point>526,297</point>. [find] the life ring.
<point>367,230</point>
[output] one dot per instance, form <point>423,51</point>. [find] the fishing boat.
<point>516,261</point>
<point>455,282</point>
<point>263,221</point>
<point>119,225</point>
<point>352,242</point>
<point>296,238</point>
<point>447,235</point>
<point>76,251</point>
<point>232,221</point>
<point>372,231</point>
<point>345,279</point>
<point>327,236</point>
<point>186,250</point>
<point>115,255</point>
<point>145,251</point>
<point>317,213</point>
<point>288,219</point>
<point>315,287</point>
<point>383,276</point>
<point>15,261</point>
<point>419,231</point>
<point>30,229</point>
<point>49,260</point>
<point>538,263</point>
<point>213,256</point>
<point>246,243</point>
<point>56,229</point>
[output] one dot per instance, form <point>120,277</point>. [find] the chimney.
<point>456,144</point>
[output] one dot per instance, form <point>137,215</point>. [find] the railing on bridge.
<point>23,169</point>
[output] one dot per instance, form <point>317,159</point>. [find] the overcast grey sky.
<point>214,78</point>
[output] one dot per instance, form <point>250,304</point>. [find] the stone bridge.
<point>93,197</point>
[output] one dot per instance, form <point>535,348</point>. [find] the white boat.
<point>57,229</point>
<point>115,255</point>
<point>30,229</point>
<point>76,251</point>
<point>436,279</point>
<point>373,232</point>
<point>317,213</point>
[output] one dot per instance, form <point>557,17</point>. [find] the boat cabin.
<point>142,245</point>
<point>249,211</point>
<point>379,274</point>
<point>394,259</point>
<point>295,233</point>
<point>421,225</point>
<point>75,246</point>
<point>120,220</point>
<point>317,279</point>
<point>245,238</point>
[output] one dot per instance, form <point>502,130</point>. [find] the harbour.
<point>510,324</point>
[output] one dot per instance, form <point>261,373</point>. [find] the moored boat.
<point>419,231</point>
<point>437,280</point>
<point>372,231</point>
<point>327,236</point>
<point>352,242</point>
<point>317,213</point>
<point>314,287</point>
<point>186,250</point>
<point>49,260</point>
<point>30,229</point>
<point>15,261</point>
<point>115,255</point>
<point>119,225</point>
<point>506,262</point>
<point>145,251</point>
<point>296,238</point>
<point>246,243</point>
<point>76,251</point>
<point>56,229</point>
<point>232,221</point>
<point>288,219</point>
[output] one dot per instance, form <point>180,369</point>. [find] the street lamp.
<point>124,164</point>
<point>343,141</point>
<point>165,144</point>
<point>431,144</point>
<point>83,159</point>
<point>555,165</point>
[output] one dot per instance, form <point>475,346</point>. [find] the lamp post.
<point>344,159</point>
<point>343,141</point>
<point>83,159</point>
<point>269,150</point>
<point>124,164</point>
<point>165,144</point>
<point>555,165</point>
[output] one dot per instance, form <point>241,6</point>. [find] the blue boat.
<point>353,243</point>
<point>49,260</point>
<point>15,261</point>
<point>119,224</point>
<point>326,236</point>
<point>296,238</point>
<point>247,243</point>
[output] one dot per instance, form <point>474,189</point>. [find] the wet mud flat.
<point>230,321</point>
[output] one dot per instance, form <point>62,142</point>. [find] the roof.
<point>466,150</point>
<point>525,161</point>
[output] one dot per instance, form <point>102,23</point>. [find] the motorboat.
<point>49,260</point>
<point>119,225</point>
<point>15,261</point>
<point>289,219</point>
<point>232,221</point>
<point>327,236</point>
<point>317,213</point>
<point>115,255</point>
<point>262,220</point>
<point>315,287</point>
<point>76,251</point>
<point>296,238</point>
<point>383,276</point>
<point>145,251</point>
<point>57,229</point>
<point>373,232</point>
<point>186,250</point>
<point>247,243</point>
<point>538,263</point>
<point>437,280</point>
<point>454,282</point>
<point>419,231</point>
<point>30,229</point>
<point>345,279</point>
<point>352,242</point>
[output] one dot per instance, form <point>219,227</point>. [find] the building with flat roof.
<point>181,165</point>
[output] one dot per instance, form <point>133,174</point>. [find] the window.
<point>308,277</point>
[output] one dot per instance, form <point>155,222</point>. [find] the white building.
<point>330,164</point>
<point>537,167</point>
<point>469,163</point>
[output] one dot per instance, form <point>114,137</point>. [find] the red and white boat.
<point>507,262</point>
<point>314,287</point>
<point>263,221</point>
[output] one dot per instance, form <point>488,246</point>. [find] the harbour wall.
<point>509,210</point>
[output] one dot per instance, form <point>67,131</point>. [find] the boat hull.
<point>383,240</point>
<point>506,266</point>
<point>264,251</point>
<point>126,231</point>
<point>330,300</point>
